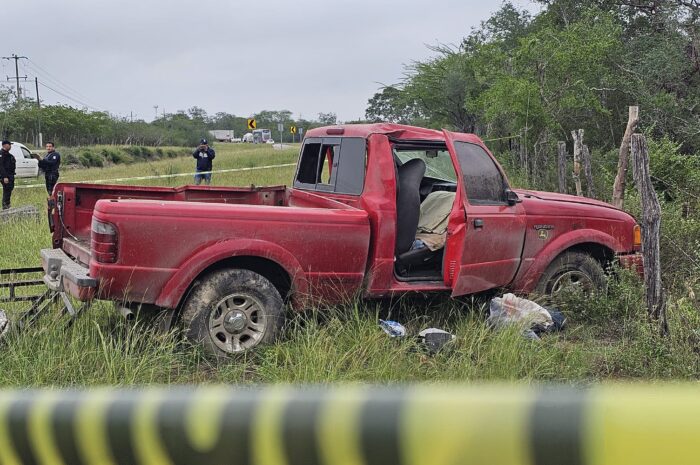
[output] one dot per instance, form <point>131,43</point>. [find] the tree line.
<point>70,126</point>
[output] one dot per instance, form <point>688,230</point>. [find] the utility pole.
<point>38,106</point>
<point>16,58</point>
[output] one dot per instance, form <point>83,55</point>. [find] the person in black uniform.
<point>50,165</point>
<point>7,173</point>
<point>204,155</point>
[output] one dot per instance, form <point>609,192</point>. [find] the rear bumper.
<point>62,274</point>
<point>633,262</point>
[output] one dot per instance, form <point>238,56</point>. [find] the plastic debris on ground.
<point>558,318</point>
<point>434,339</point>
<point>392,328</point>
<point>4,323</point>
<point>532,317</point>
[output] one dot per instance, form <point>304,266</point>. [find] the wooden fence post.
<point>578,148</point>
<point>618,196</point>
<point>590,188</point>
<point>651,230</point>
<point>561,164</point>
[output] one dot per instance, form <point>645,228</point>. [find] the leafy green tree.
<point>327,119</point>
<point>392,105</point>
<point>445,89</point>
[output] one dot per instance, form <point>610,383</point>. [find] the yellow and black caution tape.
<point>423,425</point>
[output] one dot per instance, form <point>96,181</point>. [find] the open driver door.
<point>486,228</point>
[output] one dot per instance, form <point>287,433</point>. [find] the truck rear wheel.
<point>233,311</point>
<point>572,269</point>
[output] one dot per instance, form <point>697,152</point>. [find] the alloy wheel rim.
<point>572,278</point>
<point>237,322</point>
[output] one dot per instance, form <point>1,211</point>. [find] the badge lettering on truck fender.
<point>543,230</point>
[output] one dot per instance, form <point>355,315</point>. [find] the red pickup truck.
<point>374,210</point>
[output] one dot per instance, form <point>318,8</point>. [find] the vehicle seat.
<point>432,226</point>
<point>409,176</point>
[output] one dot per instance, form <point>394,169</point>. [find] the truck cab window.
<point>483,180</point>
<point>329,155</point>
<point>332,164</point>
<point>308,164</point>
<point>438,164</point>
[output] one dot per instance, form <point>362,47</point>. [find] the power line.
<point>58,83</point>
<point>59,87</point>
<point>69,97</point>
<point>67,91</point>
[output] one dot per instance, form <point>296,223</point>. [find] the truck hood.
<point>553,204</point>
<point>555,197</point>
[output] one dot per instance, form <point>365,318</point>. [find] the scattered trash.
<point>4,323</point>
<point>435,339</point>
<point>558,318</point>
<point>510,309</point>
<point>535,319</point>
<point>431,339</point>
<point>530,334</point>
<point>392,328</point>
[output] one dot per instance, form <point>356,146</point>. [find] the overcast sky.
<point>306,56</point>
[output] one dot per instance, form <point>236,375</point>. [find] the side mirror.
<point>512,198</point>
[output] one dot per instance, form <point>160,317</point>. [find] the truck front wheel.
<point>572,269</point>
<point>232,311</point>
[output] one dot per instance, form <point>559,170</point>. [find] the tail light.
<point>51,210</point>
<point>637,237</point>
<point>104,242</point>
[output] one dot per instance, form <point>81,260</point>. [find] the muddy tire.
<point>232,311</point>
<point>572,269</point>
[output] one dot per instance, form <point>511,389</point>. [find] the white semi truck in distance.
<point>222,135</point>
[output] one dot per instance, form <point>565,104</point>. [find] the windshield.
<point>437,162</point>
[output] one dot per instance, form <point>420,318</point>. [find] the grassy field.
<point>608,337</point>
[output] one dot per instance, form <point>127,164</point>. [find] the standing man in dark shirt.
<point>204,155</point>
<point>7,173</point>
<point>50,165</point>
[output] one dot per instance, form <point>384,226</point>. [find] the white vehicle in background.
<point>248,137</point>
<point>27,167</point>
<point>261,136</point>
<point>222,135</point>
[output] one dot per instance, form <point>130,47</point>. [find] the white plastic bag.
<point>4,323</point>
<point>510,310</point>
<point>392,328</point>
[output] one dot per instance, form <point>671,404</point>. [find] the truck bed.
<point>79,199</point>
<point>164,234</point>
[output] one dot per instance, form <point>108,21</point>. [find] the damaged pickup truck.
<point>374,210</point>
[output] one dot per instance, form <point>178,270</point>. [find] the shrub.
<point>117,156</point>
<point>70,159</point>
<point>88,158</point>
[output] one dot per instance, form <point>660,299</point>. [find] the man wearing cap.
<point>204,155</point>
<point>7,173</point>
